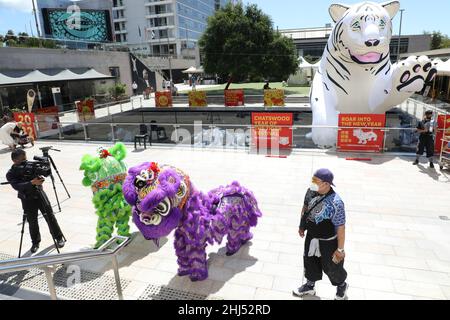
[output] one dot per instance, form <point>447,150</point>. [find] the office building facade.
<point>311,42</point>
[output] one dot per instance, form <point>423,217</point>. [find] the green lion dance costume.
<point>105,175</point>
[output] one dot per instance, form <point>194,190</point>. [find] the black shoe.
<point>60,243</point>
<point>304,290</point>
<point>341,293</point>
<point>431,165</point>
<point>34,248</point>
<point>415,163</point>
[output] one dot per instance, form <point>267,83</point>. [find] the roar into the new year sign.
<point>163,99</point>
<point>358,132</point>
<point>197,99</point>
<point>272,128</point>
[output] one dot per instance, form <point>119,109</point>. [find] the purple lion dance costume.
<point>164,199</point>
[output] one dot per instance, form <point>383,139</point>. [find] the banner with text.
<point>358,138</point>
<point>27,119</point>
<point>234,98</point>
<point>274,98</point>
<point>163,99</point>
<point>443,131</point>
<point>197,99</point>
<point>85,110</point>
<point>272,128</point>
<point>47,119</point>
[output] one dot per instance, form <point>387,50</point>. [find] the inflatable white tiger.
<point>356,74</point>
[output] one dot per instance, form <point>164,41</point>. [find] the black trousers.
<point>31,210</point>
<point>315,266</point>
<point>426,142</point>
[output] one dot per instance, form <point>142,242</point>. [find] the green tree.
<point>240,43</point>
<point>438,40</point>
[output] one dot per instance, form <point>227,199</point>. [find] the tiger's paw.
<point>413,73</point>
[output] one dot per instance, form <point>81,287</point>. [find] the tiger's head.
<point>363,31</point>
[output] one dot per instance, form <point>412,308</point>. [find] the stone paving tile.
<point>398,250</point>
<point>420,289</point>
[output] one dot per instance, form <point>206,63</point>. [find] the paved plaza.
<point>397,243</point>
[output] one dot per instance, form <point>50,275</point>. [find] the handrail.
<point>44,262</point>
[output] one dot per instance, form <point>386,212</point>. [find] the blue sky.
<point>419,15</point>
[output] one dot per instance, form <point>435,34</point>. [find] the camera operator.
<point>33,198</point>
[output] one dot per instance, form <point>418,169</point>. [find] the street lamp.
<point>36,19</point>
<point>400,34</point>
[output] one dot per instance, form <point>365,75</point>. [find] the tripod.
<point>52,163</point>
<point>46,209</point>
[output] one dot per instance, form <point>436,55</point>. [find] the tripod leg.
<point>56,193</point>
<point>59,176</point>
<point>21,236</point>
<point>48,223</point>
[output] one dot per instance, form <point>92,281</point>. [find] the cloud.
<point>21,5</point>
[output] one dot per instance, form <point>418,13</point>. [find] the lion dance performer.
<point>105,175</point>
<point>164,199</point>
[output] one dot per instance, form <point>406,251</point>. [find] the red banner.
<point>234,98</point>
<point>163,99</point>
<point>268,128</point>
<point>443,130</point>
<point>358,138</point>
<point>27,120</point>
<point>85,110</point>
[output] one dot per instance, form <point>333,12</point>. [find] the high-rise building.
<point>162,27</point>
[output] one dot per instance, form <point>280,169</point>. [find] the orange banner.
<point>274,98</point>
<point>197,99</point>
<point>27,120</point>
<point>163,99</point>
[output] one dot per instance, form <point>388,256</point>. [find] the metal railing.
<point>110,249</point>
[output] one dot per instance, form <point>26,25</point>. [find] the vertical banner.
<point>163,99</point>
<point>85,110</point>
<point>274,98</point>
<point>47,119</point>
<point>197,99</point>
<point>268,128</point>
<point>27,120</point>
<point>443,131</point>
<point>234,98</point>
<point>358,138</point>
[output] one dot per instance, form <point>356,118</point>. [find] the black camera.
<point>33,169</point>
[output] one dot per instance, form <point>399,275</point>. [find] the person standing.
<point>135,87</point>
<point>323,220</point>
<point>33,197</point>
<point>426,139</point>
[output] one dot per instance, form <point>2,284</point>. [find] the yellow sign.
<point>274,98</point>
<point>197,99</point>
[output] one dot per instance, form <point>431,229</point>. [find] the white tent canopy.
<point>193,70</point>
<point>36,76</point>
<point>305,64</point>
<point>443,68</point>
